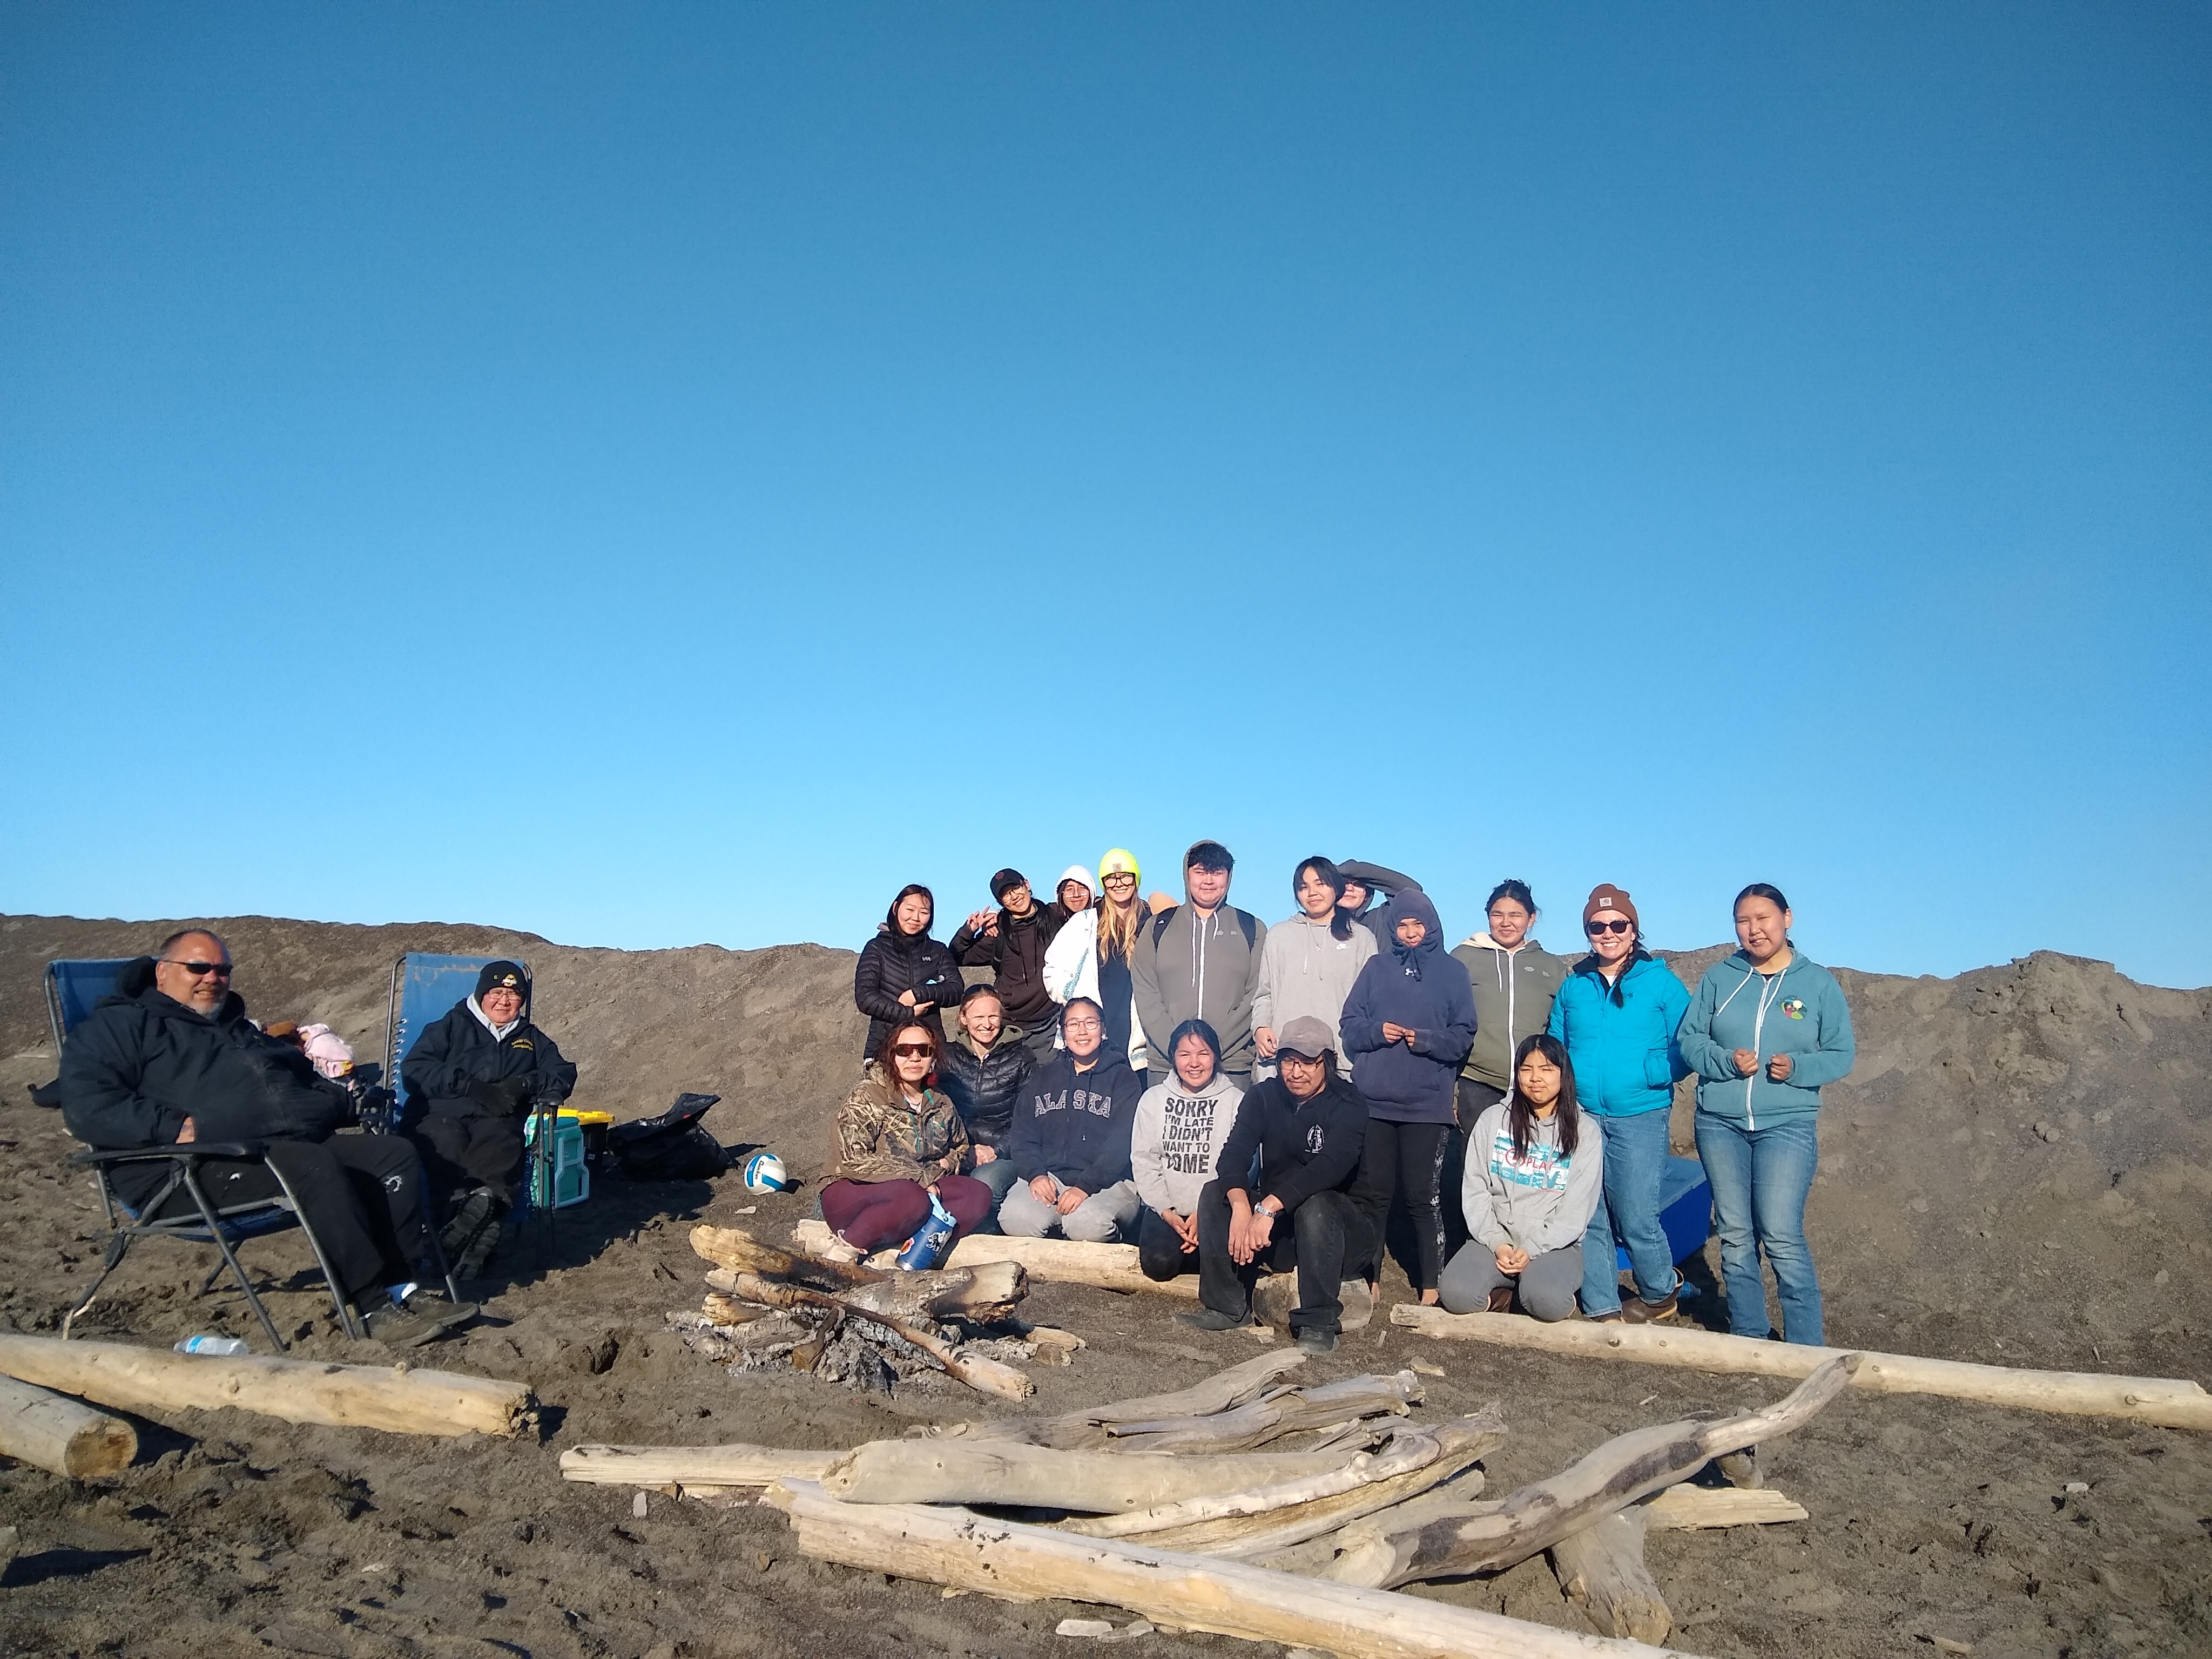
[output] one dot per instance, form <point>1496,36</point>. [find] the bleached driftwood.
<point>691,1465</point>
<point>954,1547</point>
<point>1275,1295</point>
<point>1685,1508</point>
<point>987,1375</point>
<point>61,1436</point>
<point>737,1249</point>
<point>2171,1403</point>
<point>1380,1554</point>
<point>1273,1415</point>
<point>1073,1430</point>
<point>980,1294</point>
<point>1107,1267</point>
<point>1008,1472</point>
<point>152,1380</point>
<point>1601,1569</point>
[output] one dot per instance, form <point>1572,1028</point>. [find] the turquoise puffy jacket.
<point>1621,1037</point>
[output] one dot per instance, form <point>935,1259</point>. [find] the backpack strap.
<point>1160,923</point>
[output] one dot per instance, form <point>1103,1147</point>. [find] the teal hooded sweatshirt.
<point>1800,1012</point>
<point>1622,1036</point>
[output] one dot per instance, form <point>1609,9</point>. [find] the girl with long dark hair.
<point>1309,962</point>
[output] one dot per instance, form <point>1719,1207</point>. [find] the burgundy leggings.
<point>870,1214</point>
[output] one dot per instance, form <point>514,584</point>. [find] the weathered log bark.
<point>1273,1416</point>
<point>987,1376</point>
<point>722,1309</point>
<point>738,1250</point>
<point>691,1465</point>
<point>1608,1479</point>
<point>154,1380</point>
<point>980,1296</point>
<point>1107,1267</point>
<point>1685,1508</point>
<point>1009,1473</point>
<point>953,1548</point>
<point>1075,1431</point>
<point>59,1435</point>
<point>1601,1569</point>
<point>1276,1294</point>
<point>2173,1403</point>
<point>1406,1454</point>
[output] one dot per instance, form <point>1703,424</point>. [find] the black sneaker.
<point>1313,1340</point>
<point>1206,1319</point>
<point>422,1317</point>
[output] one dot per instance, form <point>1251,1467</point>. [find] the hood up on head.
<point>1414,903</point>
<point>1077,872</point>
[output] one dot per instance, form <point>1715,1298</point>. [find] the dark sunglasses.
<point>913,1050</point>
<point>1594,928</point>
<point>201,970</point>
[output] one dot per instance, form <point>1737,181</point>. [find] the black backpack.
<point>673,1147</point>
<point>1244,920</point>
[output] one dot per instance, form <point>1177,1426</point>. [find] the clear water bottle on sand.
<point>216,1345</point>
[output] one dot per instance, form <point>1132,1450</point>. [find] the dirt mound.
<point>2020,1171</point>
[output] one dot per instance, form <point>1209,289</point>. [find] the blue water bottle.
<point>927,1247</point>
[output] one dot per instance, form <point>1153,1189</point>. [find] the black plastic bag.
<point>673,1147</point>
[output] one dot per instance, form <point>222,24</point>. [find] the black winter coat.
<point>141,1064</point>
<point>1015,955</point>
<point>1304,1146</point>
<point>985,1087</point>
<point>892,962</point>
<point>458,1066</point>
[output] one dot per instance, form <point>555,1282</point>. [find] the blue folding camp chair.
<point>74,989</point>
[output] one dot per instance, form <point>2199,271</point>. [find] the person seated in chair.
<point>1305,1126</point>
<point>473,1079</point>
<point>171,1060</point>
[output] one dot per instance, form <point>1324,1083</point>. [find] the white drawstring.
<point>1757,1026</point>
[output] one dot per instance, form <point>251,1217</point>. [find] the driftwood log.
<point>980,1295</point>
<point>1494,1537</point>
<point>1685,1508</point>
<point>152,1380</point>
<point>1076,1431</point>
<point>1107,1267</point>
<point>2171,1403</point>
<point>1008,1472</point>
<point>987,1375</point>
<point>954,1547</point>
<point>691,1465</point>
<point>1270,1416</point>
<point>1601,1571</point>
<point>61,1436</point>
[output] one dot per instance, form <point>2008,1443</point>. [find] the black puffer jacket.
<point>894,961</point>
<point>456,1065</point>
<point>142,1063</point>
<point>984,1086</point>
<point>1015,955</point>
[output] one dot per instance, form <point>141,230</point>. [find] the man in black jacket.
<point>472,1079</point>
<point>1305,1126</point>
<point>1011,941</point>
<point>171,1060</point>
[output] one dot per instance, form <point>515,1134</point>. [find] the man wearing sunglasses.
<point>171,1058</point>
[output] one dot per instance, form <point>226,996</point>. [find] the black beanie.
<point>1004,881</point>
<point>508,974</point>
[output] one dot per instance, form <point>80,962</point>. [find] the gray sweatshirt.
<point>1513,994</point>
<point>1306,969</point>
<point>1177,1138</point>
<point>1200,968</point>
<point>1539,1202</point>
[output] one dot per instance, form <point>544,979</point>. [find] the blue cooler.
<point>1685,1210</point>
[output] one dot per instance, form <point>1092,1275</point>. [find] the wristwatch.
<point>1271,1199</point>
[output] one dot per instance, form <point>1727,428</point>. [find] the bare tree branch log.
<point>738,1250</point>
<point>1074,1430</point>
<point>1608,1479</point>
<point>1271,1416</point>
<point>1685,1508</point>
<point>987,1376</point>
<point>1008,1472</point>
<point>980,1295</point>
<point>1601,1569</point>
<point>61,1436</point>
<point>691,1465</point>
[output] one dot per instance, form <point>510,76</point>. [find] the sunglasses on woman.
<point>913,1050</point>
<point>1594,928</point>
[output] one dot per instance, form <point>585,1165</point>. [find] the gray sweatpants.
<point>1097,1220</point>
<point>1547,1284</point>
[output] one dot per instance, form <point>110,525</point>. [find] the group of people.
<point>1233,1098</point>
<point>171,1060</point>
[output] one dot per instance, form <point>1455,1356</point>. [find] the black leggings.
<point>1408,1158</point>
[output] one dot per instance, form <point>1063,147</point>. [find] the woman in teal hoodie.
<point>1769,1028</point>
<point>1618,1013</point>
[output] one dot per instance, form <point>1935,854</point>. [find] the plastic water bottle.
<point>926,1247</point>
<point>217,1345</point>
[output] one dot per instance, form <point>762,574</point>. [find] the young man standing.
<point>1201,960</point>
<point>1011,941</point>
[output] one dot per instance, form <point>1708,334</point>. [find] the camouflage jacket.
<point>880,1137</point>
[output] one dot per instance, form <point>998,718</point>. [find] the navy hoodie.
<point>1425,989</point>
<point>1074,1126</point>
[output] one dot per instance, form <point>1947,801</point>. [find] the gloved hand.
<point>506,1096</point>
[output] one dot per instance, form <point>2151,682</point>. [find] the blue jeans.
<point>1628,1211</point>
<point>999,1175</point>
<point>1759,1178</point>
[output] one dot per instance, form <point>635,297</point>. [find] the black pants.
<point>463,1146</point>
<point>1408,1158</point>
<point>362,1195</point>
<point>1475,1099</point>
<point>1324,1238</point>
<point>1159,1247</point>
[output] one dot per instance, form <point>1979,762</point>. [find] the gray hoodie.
<point>1304,969</point>
<point>1513,994</point>
<point>1538,1202</point>
<point>1195,968</point>
<point>1177,1138</point>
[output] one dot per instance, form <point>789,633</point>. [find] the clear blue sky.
<point>655,474</point>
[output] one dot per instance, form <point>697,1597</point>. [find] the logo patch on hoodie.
<point>1795,1007</point>
<point>523,1042</point>
<point>1315,1139</point>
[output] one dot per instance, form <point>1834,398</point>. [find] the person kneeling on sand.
<point>1182,1126</point>
<point>473,1079</point>
<point>984,1068</point>
<point>899,1142</point>
<point>1070,1139</point>
<point>1532,1181</point>
<point>171,1058</point>
<point>1305,1126</point>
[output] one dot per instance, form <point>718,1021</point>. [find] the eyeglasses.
<point>1121,880</point>
<point>913,1050</point>
<point>1595,928</point>
<point>1288,1057</point>
<point>201,970</point>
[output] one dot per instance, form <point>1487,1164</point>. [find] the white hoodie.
<point>1070,969</point>
<point>1176,1138</point>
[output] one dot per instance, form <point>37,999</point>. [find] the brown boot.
<point>1636,1311</point>
<point>1501,1300</point>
